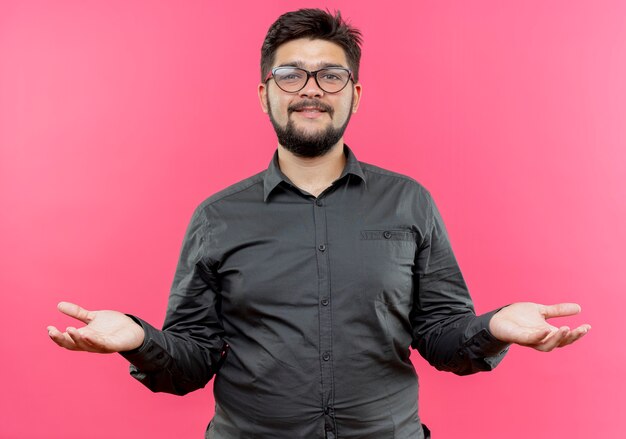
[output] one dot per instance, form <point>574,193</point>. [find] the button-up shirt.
<point>303,308</point>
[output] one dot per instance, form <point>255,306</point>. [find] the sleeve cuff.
<point>151,355</point>
<point>484,339</point>
<point>482,349</point>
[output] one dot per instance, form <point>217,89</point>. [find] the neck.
<point>313,174</point>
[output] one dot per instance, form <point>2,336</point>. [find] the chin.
<point>313,127</point>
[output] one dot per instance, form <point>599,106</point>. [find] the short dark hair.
<point>314,24</point>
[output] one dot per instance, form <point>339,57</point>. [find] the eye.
<point>333,75</point>
<point>288,75</point>
<point>291,76</point>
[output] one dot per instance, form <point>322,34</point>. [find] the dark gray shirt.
<point>304,308</point>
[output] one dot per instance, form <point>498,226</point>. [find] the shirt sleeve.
<point>189,350</point>
<point>445,328</point>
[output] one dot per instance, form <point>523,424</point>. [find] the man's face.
<point>311,121</point>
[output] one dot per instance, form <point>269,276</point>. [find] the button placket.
<point>325,316</point>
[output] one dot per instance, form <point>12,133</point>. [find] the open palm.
<point>104,332</point>
<point>526,324</point>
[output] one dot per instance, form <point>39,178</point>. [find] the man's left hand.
<point>526,324</point>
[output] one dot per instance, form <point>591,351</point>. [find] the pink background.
<point>117,118</point>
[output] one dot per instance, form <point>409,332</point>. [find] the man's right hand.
<point>104,332</point>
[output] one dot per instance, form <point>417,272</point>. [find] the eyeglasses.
<point>294,79</point>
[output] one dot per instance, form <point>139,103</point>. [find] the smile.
<point>311,108</point>
<point>310,112</point>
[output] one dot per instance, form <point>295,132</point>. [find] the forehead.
<point>310,53</point>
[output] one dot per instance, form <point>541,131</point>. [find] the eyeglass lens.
<point>292,79</point>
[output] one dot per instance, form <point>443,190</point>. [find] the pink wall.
<point>118,117</point>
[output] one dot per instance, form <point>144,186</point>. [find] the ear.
<point>356,98</point>
<point>262,91</point>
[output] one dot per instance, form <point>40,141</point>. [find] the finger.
<point>84,339</point>
<point>539,336</point>
<point>561,310</point>
<point>61,339</point>
<point>575,335</point>
<point>554,340</point>
<point>79,339</point>
<point>73,310</point>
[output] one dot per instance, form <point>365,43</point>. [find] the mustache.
<point>310,103</point>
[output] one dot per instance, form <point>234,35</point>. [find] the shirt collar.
<point>273,175</point>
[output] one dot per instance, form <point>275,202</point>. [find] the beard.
<point>301,143</point>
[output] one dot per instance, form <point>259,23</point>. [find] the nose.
<point>311,89</point>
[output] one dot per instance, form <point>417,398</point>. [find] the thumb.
<point>561,310</point>
<point>73,310</point>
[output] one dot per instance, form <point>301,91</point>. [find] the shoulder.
<point>388,180</point>
<point>251,185</point>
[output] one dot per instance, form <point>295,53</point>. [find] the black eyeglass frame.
<point>270,75</point>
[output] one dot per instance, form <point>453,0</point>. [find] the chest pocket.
<point>387,258</point>
<point>389,235</point>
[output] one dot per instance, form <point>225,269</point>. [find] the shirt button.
<point>319,202</point>
<point>325,301</point>
<point>326,356</point>
<point>327,410</point>
<point>151,348</point>
<point>387,234</point>
<point>322,247</point>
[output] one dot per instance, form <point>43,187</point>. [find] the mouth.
<point>311,110</point>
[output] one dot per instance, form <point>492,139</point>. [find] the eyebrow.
<point>302,65</point>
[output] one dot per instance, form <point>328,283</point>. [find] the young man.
<point>301,288</point>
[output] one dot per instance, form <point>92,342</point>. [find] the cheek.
<point>273,108</point>
<point>342,111</point>
<point>278,108</point>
